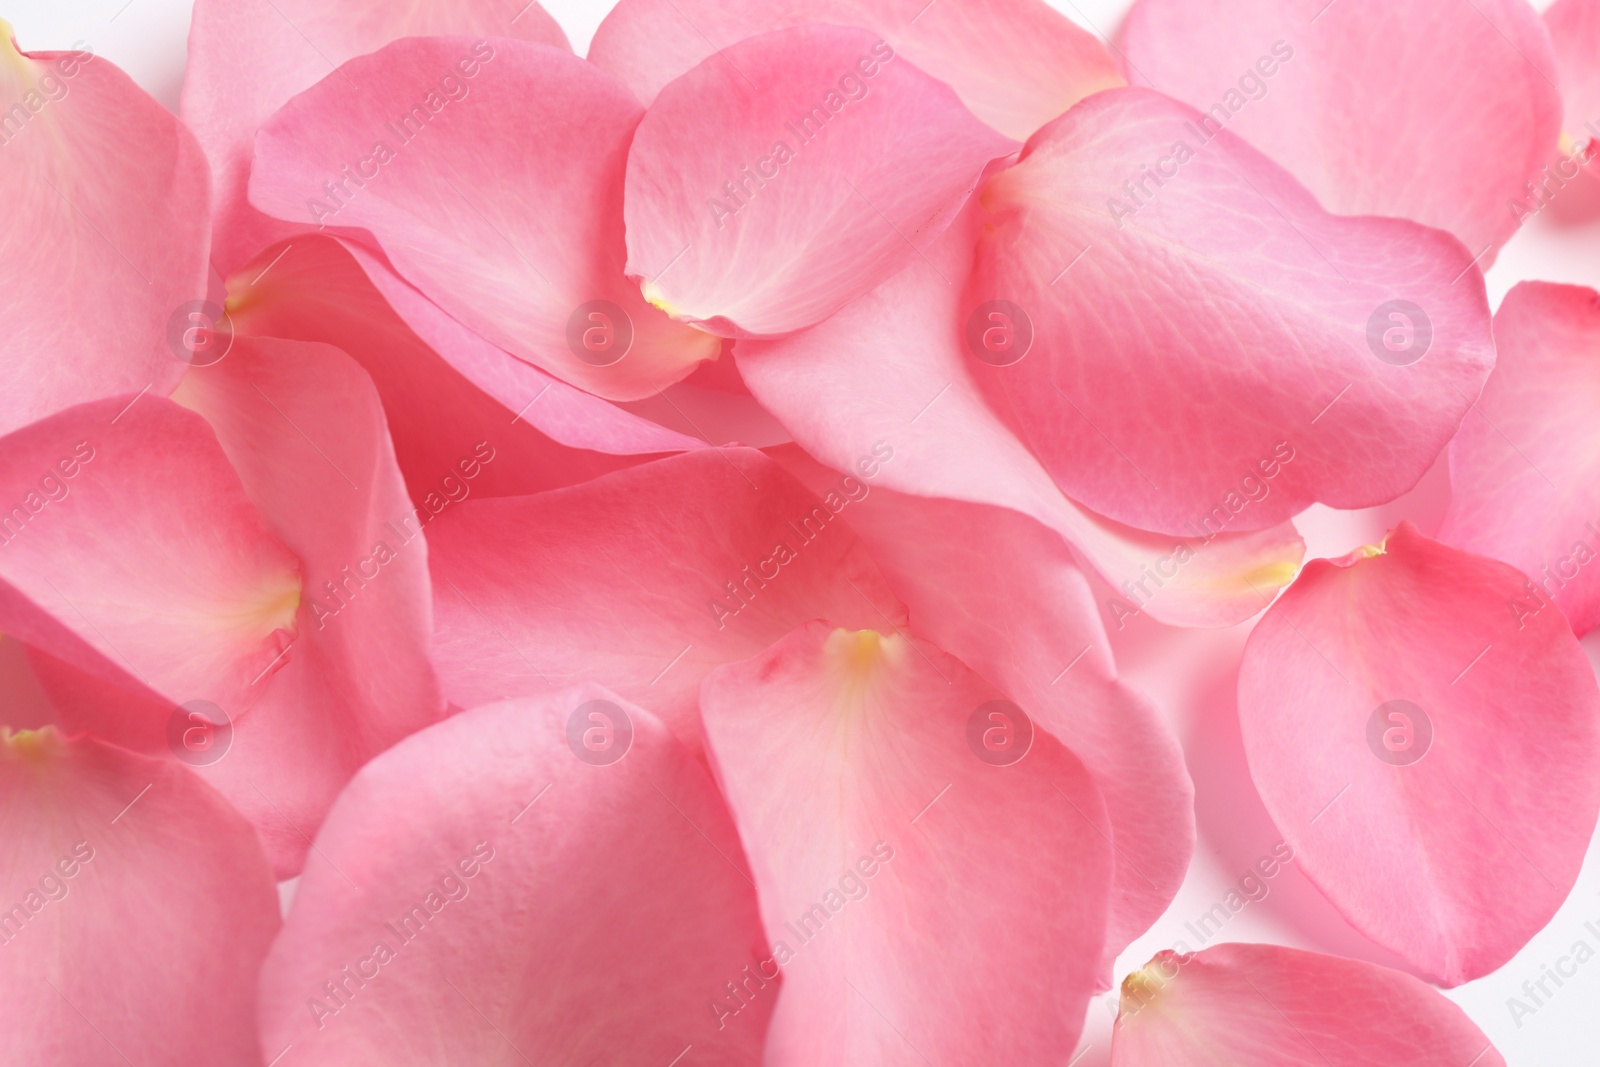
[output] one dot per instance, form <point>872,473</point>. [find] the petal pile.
<point>690,553</point>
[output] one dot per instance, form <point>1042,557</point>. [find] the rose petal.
<point>891,372</point>
<point>501,201</point>
<point>1016,63</point>
<point>105,247</point>
<point>905,829</point>
<point>744,218</point>
<point>248,57</point>
<point>1403,732</point>
<point>1575,34</point>
<point>1270,1006</point>
<point>1218,329</point>
<point>488,895</point>
<point>464,400</point>
<point>1524,468</point>
<point>642,581</point>
<point>1365,98</point>
<point>139,907</point>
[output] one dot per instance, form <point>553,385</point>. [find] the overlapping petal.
<point>485,895</point>
<point>1364,102</point>
<point>1016,63</point>
<point>451,400</point>
<point>1201,332</point>
<point>1525,469</point>
<point>924,904</point>
<point>104,253</point>
<point>759,208</point>
<point>1574,27</point>
<point>1004,594</point>
<point>1403,727</point>
<point>138,907</point>
<point>490,174</point>
<point>1269,1006</point>
<point>893,369</point>
<point>247,58</point>
<point>644,580</point>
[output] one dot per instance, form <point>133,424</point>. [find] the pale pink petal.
<point>497,193</point>
<point>132,552</point>
<point>1404,729</point>
<point>1004,594</point>
<point>484,894</point>
<point>643,581</point>
<point>1525,468</point>
<point>890,372</point>
<point>1221,349</point>
<point>1270,1006</point>
<point>138,908</point>
<point>1016,63</point>
<point>105,248</point>
<point>302,424</point>
<point>248,57</point>
<point>1575,32</point>
<point>876,811</point>
<point>459,402</point>
<point>758,209</point>
<point>1364,101</point>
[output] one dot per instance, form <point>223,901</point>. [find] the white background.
<point>1191,674</point>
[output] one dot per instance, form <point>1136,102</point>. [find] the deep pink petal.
<point>483,895</point>
<point>1365,100</point>
<point>498,194</point>
<point>1270,1006</point>
<point>138,909</point>
<point>248,57</point>
<point>106,199</point>
<point>1005,595</point>
<point>302,424</point>
<point>1403,732</point>
<point>892,370</point>
<point>902,830</point>
<point>1221,352</point>
<point>1525,468</point>
<point>758,209</point>
<point>643,581</point>
<point>1016,63</point>
<point>132,552</point>
<point>463,401</point>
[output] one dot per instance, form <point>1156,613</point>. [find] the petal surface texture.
<point>642,581</point>
<point>105,241</point>
<point>1403,731</point>
<point>497,193</point>
<point>891,375</point>
<point>138,909</point>
<point>1016,63</point>
<point>1269,1006</point>
<point>1525,468</point>
<point>761,209</point>
<point>485,895</point>
<point>303,426</point>
<point>247,58</point>
<point>1361,101</point>
<point>1005,595</point>
<point>907,829</point>
<point>1182,340</point>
